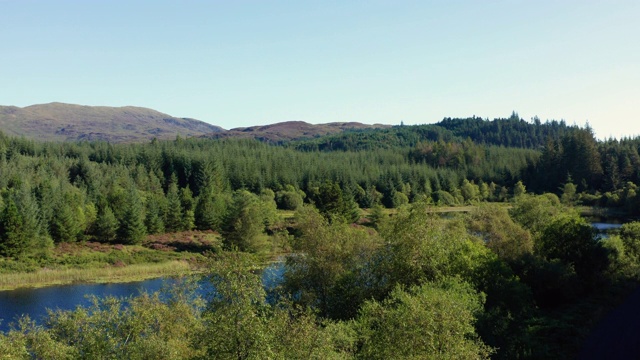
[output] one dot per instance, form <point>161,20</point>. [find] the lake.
<point>34,302</point>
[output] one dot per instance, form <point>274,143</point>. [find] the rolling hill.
<point>68,122</point>
<point>292,130</point>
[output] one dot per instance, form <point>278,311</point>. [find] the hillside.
<point>292,130</point>
<point>508,132</point>
<point>68,122</point>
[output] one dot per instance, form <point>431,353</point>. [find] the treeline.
<point>603,173</point>
<point>508,132</point>
<point>527,282</point>
<point>66,192</point>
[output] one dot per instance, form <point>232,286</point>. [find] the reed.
<point>107,274</point>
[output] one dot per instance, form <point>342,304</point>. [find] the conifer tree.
<point>13,240</point>
<point>188,213</point>
<point>173,218</point>
<point>132,229</point>
<point>64,225</point>
<point>205,212</point>
<point>106,226</point>
<point>154,215</point>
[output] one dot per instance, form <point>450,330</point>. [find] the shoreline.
<point>112,274</point>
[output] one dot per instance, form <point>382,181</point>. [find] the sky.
<point>242,63</point>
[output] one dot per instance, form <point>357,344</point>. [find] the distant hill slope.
<point>509,132</point>
<point>68,122</point>
<point>292,130</point>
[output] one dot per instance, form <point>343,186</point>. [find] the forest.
<point>371,268</point>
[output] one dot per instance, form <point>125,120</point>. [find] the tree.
<point>235,326</point>
<point>13,240</point>
<point>334,205</point>
<point>519,189</point>
<point>64,226</point>
<point>173,218</point>
<point>188,213</point>
<point>35,238</point>
<point>332,267</point>
<point>106,225</point>
<point>399,199</point>
<point>132,229</point>
<point>630,234</point>
<point>211,210</point>
<point>423,247</point>
<point>501,234</point>
<point>154,214</point>
<point>569,193</point>
<point>470,191</point>
<point>377,217</point>
<point>570,239</point>
<point>244,223</point>
<point>483,188</point>
<point>534,211</point>
<point>434,320</point>
<point>290,198</point>
<point>143,327</point>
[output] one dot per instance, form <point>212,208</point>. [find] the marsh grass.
<point>135,272</point>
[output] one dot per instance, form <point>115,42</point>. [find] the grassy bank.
<point>135,272</point>
<point>91,262</point>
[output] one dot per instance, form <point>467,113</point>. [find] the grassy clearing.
<point>136,272</point>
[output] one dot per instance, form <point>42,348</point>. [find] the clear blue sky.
<point>239,63</point>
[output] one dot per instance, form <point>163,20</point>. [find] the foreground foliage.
<point>421,286</point>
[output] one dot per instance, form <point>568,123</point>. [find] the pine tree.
<point>173,217</point>
<point>205,216</point>
<point>132,229</point>
<point>188,212</point>
<point>106,226</point>
<point>64,226</point>
<point>154,215</point>
<point>13,242</point>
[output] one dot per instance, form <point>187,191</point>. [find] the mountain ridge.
<point>292,130</point>
<point>58,121</point>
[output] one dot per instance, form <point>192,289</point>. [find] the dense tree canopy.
<point>358,283</point>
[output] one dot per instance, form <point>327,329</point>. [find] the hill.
<point>292,130</point>
<point>508,132</point>
<point>68,122</point>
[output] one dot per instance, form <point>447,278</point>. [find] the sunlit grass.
<point>135,272</point>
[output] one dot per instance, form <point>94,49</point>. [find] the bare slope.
<point>292,130</point>
<point>67,122</point>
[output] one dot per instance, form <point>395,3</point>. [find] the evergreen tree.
<point>106,225</point>
<point>188,212</point>
<point>154,215</point>
<point>64,226</point>
<point>132,229</point>
<point>205,216</point>
<point>13,240</point>
<point>244,224</point>
<point>334,205</point>
<point>173,218</point>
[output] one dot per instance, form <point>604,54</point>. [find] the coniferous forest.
<point>461,239</point>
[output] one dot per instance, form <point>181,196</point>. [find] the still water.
<point>35,302</point>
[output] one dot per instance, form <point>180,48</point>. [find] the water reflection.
<point>35,302</point>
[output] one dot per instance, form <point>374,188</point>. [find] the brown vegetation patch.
<point>291,130</point>
<point>191,241</point>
